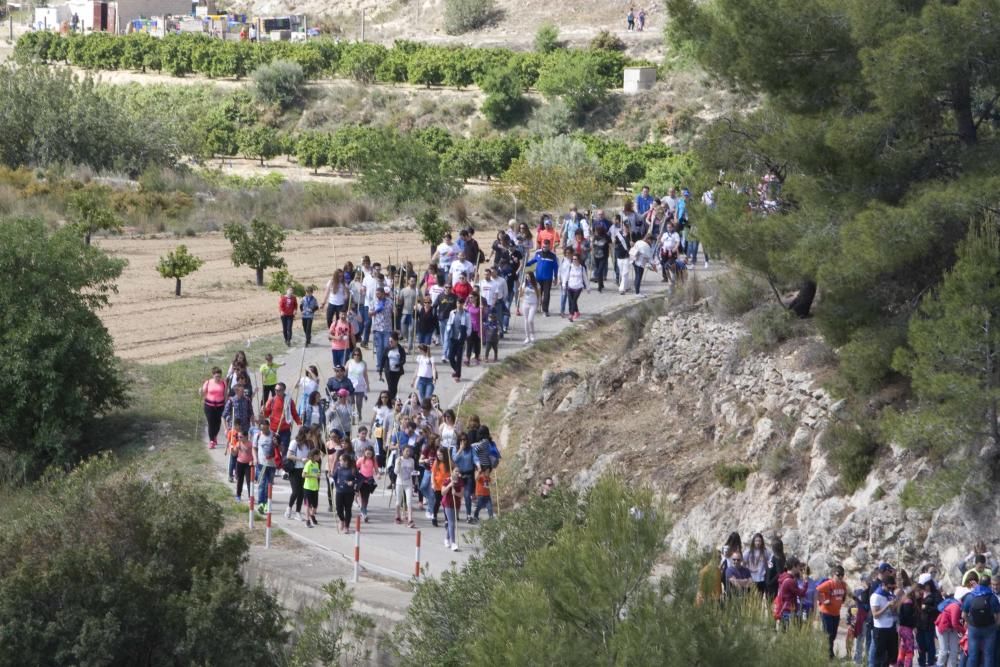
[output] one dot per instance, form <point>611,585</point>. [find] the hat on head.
<point>924,578</point>
<point>338,367</point>
<point>343,392</point>
<point>885,567</point>
<point>511,222</point>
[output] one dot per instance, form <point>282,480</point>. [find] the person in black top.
<point>392,362</point>
<point>599,247</point>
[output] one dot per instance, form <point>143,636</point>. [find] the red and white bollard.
<point>252,489</point>
<point>357,548</point>
<point>416,562</point>
<point>267,531</point>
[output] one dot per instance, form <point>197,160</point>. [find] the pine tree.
<point>953,356</point>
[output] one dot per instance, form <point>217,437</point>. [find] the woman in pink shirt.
<point>340,339</point>
<point>368,470</point>
<point>214,393</point>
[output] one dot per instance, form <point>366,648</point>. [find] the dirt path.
<point>220,303</point>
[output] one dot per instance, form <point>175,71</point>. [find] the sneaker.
<point>454,547</point>
<point>298,516</point>
<point>706,263</point>
<point>412,525</point>
<point>429,514</point>
<point>532,339</point>
<point>284,476</point>
<point>398,520</point>
<point>262,508</point>
<point>288,513</point>
<point>309,524</point>
<point>212,444</point>
<point>232,479</point>
<point>366,518</point>
<point>447,543</point>
<point>434,522</point>
<point>527,340</point>
<point>239,500</point>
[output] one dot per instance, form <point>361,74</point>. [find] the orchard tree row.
<point>404,62</point>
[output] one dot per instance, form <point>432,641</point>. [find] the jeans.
<point>339,357</point>
<point>830,623</point>
<point>546,287</point>
<point>926,652</point>
<point>425,486</point>
<point>295,478</point>
<point>468,486</point>
<point>307,328</point>
<point>638,276</point>
<point>863,643</point>
<point>574,300</point>
<point>425,338</point>
<point>381,343</point>
<point>366,324</point>
<point>948,642</point>
<point>455,348</point>
<point>425,387</point>
<point>242,475</point>
<point>232,465</point>
<point>982,645</point>
<point>265,478</point>
<point>600,272</point>
<point>473,346</point>
<point>563,300</point>
<point>885,646</point>
<point>442,326</point>
<point>449,524</point>
<point>484,502</point>
<point>405,322</point>
<point>286,327</point>
<point>284,439</point>
<point>502,312</point>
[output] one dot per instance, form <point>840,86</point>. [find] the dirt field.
<point>220,303</point>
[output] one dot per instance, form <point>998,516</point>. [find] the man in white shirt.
<point>460,266</point>
<point>671,202</point>
<point>445,254</point>
<point>493,290</point>
<point>369,285</point>
<point>884,604</point>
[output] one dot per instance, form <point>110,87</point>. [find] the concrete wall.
<point>636,79</point>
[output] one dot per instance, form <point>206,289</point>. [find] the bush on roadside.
<point>461,16</point>
<point>606,41</point>
<point>547,39</point>
<point>281,83</point>
<point>740,292</point>
<point>770,325</point>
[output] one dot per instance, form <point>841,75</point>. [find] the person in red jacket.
<point>950,628</point>
<point>287,305</point>
<point>788,592</point>
<point>281,414</point>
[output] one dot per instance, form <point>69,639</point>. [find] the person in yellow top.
<point>979,568</point>
<point>268,377</point>
<point>310,485</point>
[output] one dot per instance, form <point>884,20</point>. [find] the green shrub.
<point>504,103</point>
<point>431,227</point>
<point>281,83</point>
<point>461,16</point>
<point>575,78</point>
<point>866,361</point>
<point>551,119</point>
<point>930,492</point>
<point>733,476</point>
<point>780,461</point>
<point>360,60</point>
<point>770,325</point>
<point>547,38</point>
<point>280,280</point>
<point>852,448</point>
<point>606,41</point>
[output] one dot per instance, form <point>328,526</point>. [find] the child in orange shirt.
<point>483,497</point>
<point>440,472</point>
<point>232,440</point>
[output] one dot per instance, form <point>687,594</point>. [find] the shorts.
<point>312,498</point>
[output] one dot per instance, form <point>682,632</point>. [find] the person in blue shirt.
<point>981,614</point>
<point>308,306</point>
<point>644,201</point>
<point>546,267</point>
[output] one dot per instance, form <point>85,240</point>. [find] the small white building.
<point>637,79</point>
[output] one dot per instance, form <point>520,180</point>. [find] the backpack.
<point>980,612</point>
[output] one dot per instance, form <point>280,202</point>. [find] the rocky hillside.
<point>731,439</point>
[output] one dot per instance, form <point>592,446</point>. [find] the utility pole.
<point>363,10</point>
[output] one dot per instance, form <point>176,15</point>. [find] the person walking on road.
<point>357,374</point>
<point>346,482</point>
<point>213,394</point>
<point>392,364</point>
<point>287,305</point>
<point>309,306</point>
<point>426,375</point>
<point>547,266</point>
<point>310,485</point>
<point>530,297</point>
<point>457,331</point>
<point>576,282</point>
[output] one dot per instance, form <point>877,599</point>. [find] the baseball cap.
<point>343,392</point>
<point>885,567</point>
<point>338,367</point>
<point>924,578</point>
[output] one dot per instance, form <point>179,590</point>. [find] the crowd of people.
<point>455,311</point>
<point>892,617</point>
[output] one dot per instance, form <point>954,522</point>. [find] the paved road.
<point>387,548</point>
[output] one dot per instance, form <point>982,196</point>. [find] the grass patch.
<point>733,476</point>
<point>930,493</point>
<point>770,326</point>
